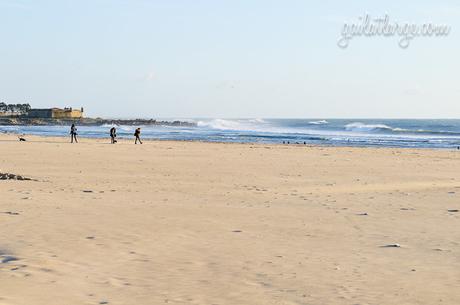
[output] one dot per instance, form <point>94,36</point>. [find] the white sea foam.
<point>320,122</point>
<point>238,125</point>
<point>222,124</point>
<point>257,121</point>
<point>109,125</point>
<point>418,133</point>
<point>260,126</point>
<point>361,127</point>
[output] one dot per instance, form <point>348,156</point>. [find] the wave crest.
<point>244,125</point>
<point>320,122</point>
<point>361,127</point>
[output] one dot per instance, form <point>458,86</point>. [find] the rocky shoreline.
<point>89,122</point>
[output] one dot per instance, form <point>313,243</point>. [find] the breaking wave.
<point>405,133</point>
<point>382,128</point>
<point>237,125</point>
<point>226,124</point>
<point>320,122</point>
<point>361,127</point>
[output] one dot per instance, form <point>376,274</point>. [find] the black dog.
<point>21,139</point>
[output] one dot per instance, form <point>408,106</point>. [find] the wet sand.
<point>205,223</point>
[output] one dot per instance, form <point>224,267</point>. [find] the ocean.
<point>336,132</point>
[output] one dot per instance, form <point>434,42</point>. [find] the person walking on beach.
<point>113,134</point>
<point>73,133</point>
<point>137,134</point>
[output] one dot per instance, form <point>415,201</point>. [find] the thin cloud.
<point>441,10</point>
<point>150,76</point>
<point>15,4</point>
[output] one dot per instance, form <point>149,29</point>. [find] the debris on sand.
<point>11,213</point>
<point>392,246</point>
<point>7,258</point>
<point>441,250</point>
<point>7,176</point>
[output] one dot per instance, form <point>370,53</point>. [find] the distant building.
<point>24,110</point>
<point>55,113</point>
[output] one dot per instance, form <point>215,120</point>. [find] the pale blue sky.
<point>234,58</point>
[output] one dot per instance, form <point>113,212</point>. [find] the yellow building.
<point>67,113</point>
<point>56,113</point>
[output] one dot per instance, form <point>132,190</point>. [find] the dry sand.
<point>203,223</point>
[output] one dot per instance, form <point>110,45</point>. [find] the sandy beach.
<point>211,223</point>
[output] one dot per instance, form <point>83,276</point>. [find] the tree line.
<point>15,108</point>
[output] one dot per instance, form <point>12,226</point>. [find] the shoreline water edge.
<point>402,133</point>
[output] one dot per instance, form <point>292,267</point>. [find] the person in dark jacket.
<point>73,133</point>
<point>113,135</point>
<point>137,134</point>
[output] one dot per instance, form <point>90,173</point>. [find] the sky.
<point>227,59</point>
